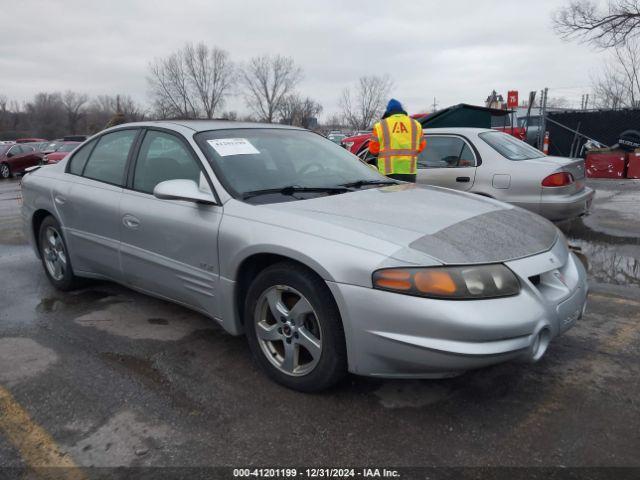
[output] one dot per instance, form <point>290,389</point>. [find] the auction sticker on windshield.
<point>232,146</point>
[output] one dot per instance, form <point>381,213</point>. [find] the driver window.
<point>445,152</point>
<point>164,157</point>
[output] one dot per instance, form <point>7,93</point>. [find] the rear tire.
<point>55,256</point>
<point>301,345</point>
<point>5,170</point>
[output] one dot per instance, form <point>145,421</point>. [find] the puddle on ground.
<point>611,259</point>
<point>82,297</point>
<point>145,319</point>
<point>612,264</point>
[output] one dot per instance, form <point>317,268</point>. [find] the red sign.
<point>512,99</point>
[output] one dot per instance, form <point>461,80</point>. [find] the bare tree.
<point>170,84</point>
<point>360,109</point>
<point>47,114</point>
<point>309,111</point>
<point>290,109</point>
<point>192,82</point>
<point>609,27</point>
<point>104,108</point>
<point>618,86</point>
<point>268,80</point>
<point>73,103</point>
<point>295,110</point>
<point>211,74</point>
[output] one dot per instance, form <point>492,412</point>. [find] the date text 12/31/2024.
<point>315,473</point>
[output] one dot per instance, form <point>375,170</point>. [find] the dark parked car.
<point>16,158</point>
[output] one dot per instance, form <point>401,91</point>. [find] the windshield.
<point>4,148</point>
<point>510,147</point>
<point>67,147</point>
<point>248,160</point>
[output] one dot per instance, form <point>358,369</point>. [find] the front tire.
<point>5,171</point>
<point>294,328</point>
<point>54,255</point>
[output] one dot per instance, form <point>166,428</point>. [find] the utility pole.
<point>435,104</point>
<point>543,115</point>
<point>586,101</point>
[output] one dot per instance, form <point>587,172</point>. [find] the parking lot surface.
<point>108,377</point>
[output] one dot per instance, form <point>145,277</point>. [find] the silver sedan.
<point>325,265</point>
<point>497,165</point>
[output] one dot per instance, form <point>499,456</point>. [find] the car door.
<point>447,161</point>
<point>29,157</point>
<point>89,203</point>
<point>14,158</point>
<point>170,247</point>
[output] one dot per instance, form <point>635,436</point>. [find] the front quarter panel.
<point>248,230</point>
<point>36,195</point>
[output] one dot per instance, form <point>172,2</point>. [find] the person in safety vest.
<point>396,141</point>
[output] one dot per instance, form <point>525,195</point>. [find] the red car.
<point>16,158</point>
<point>61,152</point>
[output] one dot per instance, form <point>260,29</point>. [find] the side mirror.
<point>10,154</point>
<point>182,190</point>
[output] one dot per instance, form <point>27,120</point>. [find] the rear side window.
<point>15,150</point>
<point>79,160</point>
<point>163,157</point>
<point>510,147</point>
<point>446,152</point>
<point>109,158</point>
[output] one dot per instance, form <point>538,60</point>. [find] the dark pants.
<point>404,177</point>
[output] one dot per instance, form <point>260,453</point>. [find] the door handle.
<point>130,221</point>
<point>463,179</point>
<point>59,199</point>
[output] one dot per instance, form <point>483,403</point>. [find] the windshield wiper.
<point>291,189</point>
<point>362,183</point>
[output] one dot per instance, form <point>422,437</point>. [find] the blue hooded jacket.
<point>393,107</point>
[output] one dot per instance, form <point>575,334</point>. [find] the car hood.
<point>449,226</point>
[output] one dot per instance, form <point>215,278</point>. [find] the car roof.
<point>206,125</point>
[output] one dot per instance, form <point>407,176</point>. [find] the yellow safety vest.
<point>399,137</point>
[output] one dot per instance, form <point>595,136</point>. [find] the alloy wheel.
<point>55,256</point>
<point>288,330</point>
<point>4,171</point>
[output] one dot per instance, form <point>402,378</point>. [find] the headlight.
<point>453,283</point>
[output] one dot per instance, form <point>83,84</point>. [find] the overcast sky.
<point>456,51</point>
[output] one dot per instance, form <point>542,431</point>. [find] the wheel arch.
<point>255,263</point>
<point>36,220</point>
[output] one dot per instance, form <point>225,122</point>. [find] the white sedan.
<point>497,165</point>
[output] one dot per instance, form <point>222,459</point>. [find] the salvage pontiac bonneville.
<point>325,265</point>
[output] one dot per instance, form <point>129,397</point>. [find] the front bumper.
<point>559,208</point>
<point>394,335</point>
